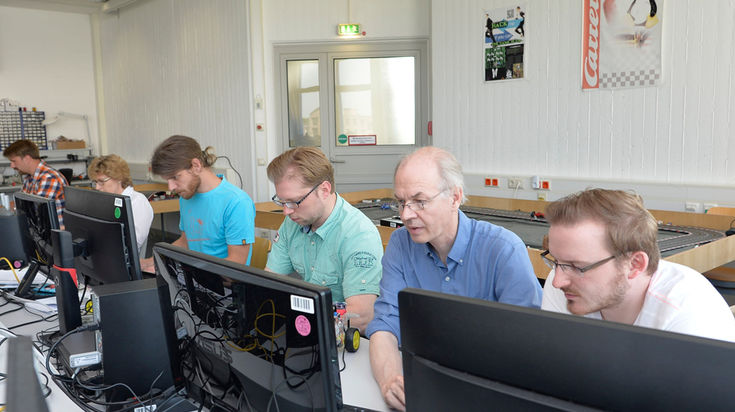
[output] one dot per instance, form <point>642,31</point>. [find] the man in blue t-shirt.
<point>442,250</point>
<point>216,217</point>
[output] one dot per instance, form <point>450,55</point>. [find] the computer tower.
<point>137,337</point>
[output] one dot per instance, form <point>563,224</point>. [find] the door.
<point>364,105</point>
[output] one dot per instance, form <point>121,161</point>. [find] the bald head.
<point>433,160</point>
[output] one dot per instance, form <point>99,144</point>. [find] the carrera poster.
<point>504,39</point>
<point>621,43</point>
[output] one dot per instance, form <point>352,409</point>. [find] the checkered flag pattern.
<point>634,78</point>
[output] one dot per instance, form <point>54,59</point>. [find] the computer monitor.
<point>103,232</point>
<point>468,354</point>
<point>40,218</point>
<point>254,338</point>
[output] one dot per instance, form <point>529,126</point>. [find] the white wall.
<point>179,67</point>
<point>46,62</point>
<point>673,142</point>
<point>310,21</point>
<point>185,66</point>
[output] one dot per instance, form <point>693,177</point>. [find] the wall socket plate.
<point>692,207</point>
<point>515,183</point>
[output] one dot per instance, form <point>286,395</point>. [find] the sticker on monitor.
<point>302,304</point>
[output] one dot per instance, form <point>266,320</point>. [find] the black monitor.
<point>103,231</point>
<point>40,218</point>
<point>253,338</point>
<point>469,354</point>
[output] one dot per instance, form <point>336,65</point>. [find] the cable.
<point>33,321</point>
<point>344,364</point>
<point>3,258</point>
<point>92,326</point>
<point>231,167</point>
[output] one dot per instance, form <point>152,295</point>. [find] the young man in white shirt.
<point>606,265</point>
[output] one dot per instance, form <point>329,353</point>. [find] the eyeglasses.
<point>569,268</point>
<point>399,205</point>
<point>100,182</point>
<point>293,205</point>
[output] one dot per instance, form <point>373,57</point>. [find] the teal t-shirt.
<point>212,220</point>
<point>343,254</point>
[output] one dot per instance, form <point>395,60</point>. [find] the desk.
<point>359,388</point>
<point>57,400</point>
<point>702,258</point>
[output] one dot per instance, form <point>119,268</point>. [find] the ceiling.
<point>71,6</point>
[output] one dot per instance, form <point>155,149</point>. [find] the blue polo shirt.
<point>486,262</point>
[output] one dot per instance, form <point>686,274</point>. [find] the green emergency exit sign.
<point>348,29</point>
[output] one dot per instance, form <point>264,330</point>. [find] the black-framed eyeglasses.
<point>569,268</point>
<point>418,205</point>
<point>293,205</point>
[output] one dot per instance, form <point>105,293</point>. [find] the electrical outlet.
<point>491,182</point>
<point>541,196</point>
<point>515,183</point>
<point>692,207</point>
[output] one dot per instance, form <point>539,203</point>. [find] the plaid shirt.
<point>49,183</point>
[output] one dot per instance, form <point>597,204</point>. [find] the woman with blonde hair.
<point>111,174</point>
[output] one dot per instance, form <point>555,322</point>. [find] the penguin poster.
<point>504,34</point>
<point>621,43</point>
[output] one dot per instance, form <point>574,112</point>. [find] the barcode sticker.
<point>118,202</point>
<point>302,304</point>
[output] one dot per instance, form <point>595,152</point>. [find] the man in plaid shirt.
<point>40,179</point>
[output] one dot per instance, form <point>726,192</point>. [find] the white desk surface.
<point>358,385</point>
<point>57,401</point>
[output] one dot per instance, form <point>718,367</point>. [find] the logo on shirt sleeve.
<point>364,260</point>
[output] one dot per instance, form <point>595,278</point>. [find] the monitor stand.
<point>24,287</point>
<point>65,277</point>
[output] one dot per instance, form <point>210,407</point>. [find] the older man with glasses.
<point>440,249</point>
<point>325,240</point>
<point>606,265</point>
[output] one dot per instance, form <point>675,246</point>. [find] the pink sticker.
<point>303,326</point>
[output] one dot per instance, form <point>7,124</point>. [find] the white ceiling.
<point>71,6</point>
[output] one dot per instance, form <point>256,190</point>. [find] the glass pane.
<point>375,101</point>
<point>304,127</point>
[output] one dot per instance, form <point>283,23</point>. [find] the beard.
<point>611,296</point>
<point>191,189</point>
<point>618,289</point>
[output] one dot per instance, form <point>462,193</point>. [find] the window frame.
<point>326,54</point>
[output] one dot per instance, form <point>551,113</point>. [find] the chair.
<point>261,248</point>
<point>67,173</point>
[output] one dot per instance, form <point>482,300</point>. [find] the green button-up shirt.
<point>343,254</point>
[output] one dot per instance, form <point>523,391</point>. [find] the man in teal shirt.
<point>325,240</point>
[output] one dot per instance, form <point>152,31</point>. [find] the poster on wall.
<point>621,43</point>
<point>503,47</point>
